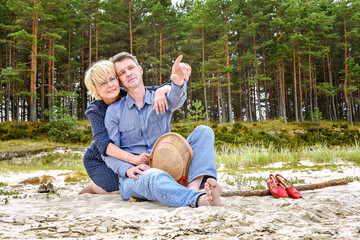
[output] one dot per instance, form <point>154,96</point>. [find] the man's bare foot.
<point>213,192</point>
<point>195,184</point>
<point>95,189</point>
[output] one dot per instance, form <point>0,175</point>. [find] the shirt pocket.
<point>127,133</point>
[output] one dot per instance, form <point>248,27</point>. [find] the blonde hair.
<point>96,74</point>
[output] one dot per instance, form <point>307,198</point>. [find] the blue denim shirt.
<point>96,114</point>
<point>136,130</point>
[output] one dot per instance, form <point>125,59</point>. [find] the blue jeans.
<point>157,185</point>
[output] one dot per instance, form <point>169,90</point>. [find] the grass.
<point>242,182</point>
<point>250,156</point>
<point>235,161</point>
<point>38,180</point>
<point>47,161</point>
<point>10,194</point>
<point>76,177</point>
<point>32,145</point>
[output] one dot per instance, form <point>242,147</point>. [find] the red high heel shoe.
<point>276,189</point>
<point>291,190</point>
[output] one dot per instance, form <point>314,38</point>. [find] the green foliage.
<point>3,184</point>
<point>20,130</point>
<point>64,129</point>
<point>196,113</point>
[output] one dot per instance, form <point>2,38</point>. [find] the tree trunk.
<point>53,69</point>
<point>249,98</point>
<point>256,74</point>
<point>97,34</point>
<point>240,88</point>
<point>203,72</point>
<point>161,48</point>
<point>284,95</point>
<point>130,29</point>
<point>295,90</point>
<point>265,192</point>
<point>329,65</point>
<point>42,116</point>
<point>50,92</point>
<point>300,87</point>
<point>8,86</point>
<point>68,85</point>
<point>267,112</point>
<point>90,31</point>
<point>310,84</point>
<point>230,112</point>
<point>33,78</point>
<point>1,84</point>
<point>349,115</point>
<point>218,97</point>
<point>155,56</point>
<point>82,85</point>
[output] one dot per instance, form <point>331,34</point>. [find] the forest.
<point>252,60</point>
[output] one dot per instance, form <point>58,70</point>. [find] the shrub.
<point>64,129</point>
<point>236,127</point>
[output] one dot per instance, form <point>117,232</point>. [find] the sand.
<point>329,213</point>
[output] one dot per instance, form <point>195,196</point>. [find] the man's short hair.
<point>123,55</point>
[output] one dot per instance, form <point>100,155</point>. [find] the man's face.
<point>129,74</point>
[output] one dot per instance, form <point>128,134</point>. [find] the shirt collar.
<point>147,99</point>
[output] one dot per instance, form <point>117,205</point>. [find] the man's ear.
<point>141,70</point>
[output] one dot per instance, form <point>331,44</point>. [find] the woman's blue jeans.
<point>157,185</point>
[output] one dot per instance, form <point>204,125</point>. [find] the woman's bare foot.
<point>213,192</point>
<point>95,189</point>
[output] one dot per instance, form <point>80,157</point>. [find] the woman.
<point>104,86</point>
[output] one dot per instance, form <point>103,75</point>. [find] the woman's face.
<point>109,89</point>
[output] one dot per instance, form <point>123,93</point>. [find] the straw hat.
<point>172,154</point>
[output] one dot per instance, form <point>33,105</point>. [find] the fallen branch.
<point>265,192</point>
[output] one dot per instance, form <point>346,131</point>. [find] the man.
<point>134,127</point>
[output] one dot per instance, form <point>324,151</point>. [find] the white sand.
<point>329,213</point>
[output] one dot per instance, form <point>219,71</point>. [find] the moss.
<point>2,184</point>
<point>76,177</point>
<point>39,180</point>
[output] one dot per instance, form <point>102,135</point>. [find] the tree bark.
<point>203,72</point>
<point>33,78</point>
<point>266,192</point>
<point>82,85</point>
<point>97,34</point>
<point>155,56</point>
<point>161,48</point>
<point>130,29</point>
<point>50,92</point>
<point>230,112</point>
<point>349,115</point>
<point>240,87</point>
<point>295,90</point>
<point>42,116</point>
<point>1,84</point>
<point>256,74</point>
<point>90,30</point>
<point>329,65</point>
<point>218,97</point>
<point>310,84</point>
<point>267,112</point>
<point>300,87</point>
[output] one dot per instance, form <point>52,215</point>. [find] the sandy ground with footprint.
<point>329,213</point>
